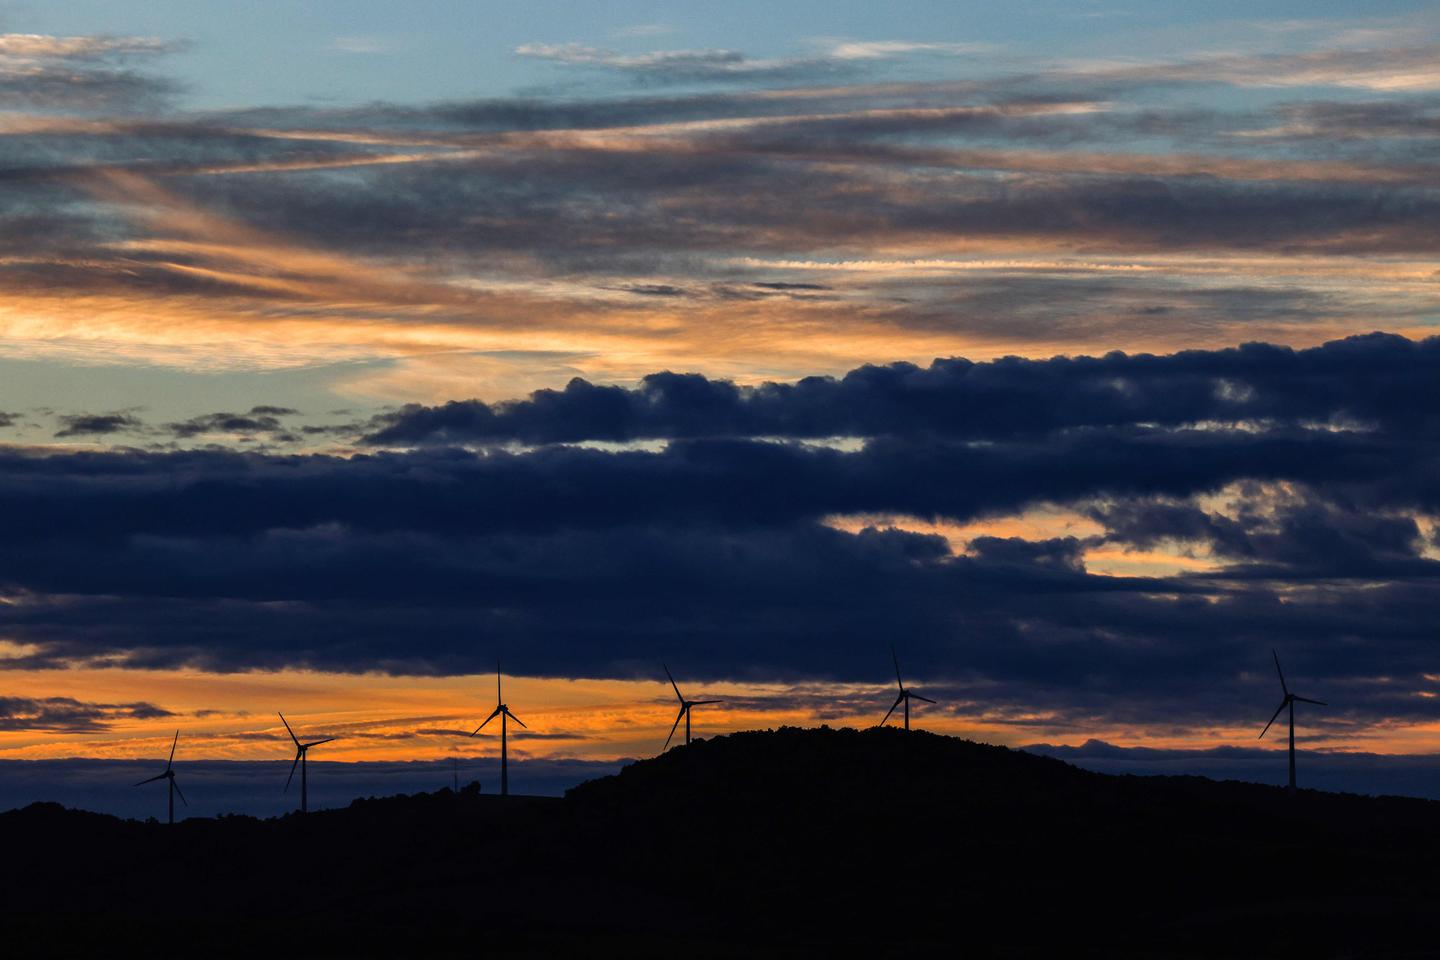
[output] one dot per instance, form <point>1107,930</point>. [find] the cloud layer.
<point>744,266</point>
<point>1298,486</point>
<point>771,221</point>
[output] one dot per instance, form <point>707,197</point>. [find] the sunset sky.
<point>1083,351</point>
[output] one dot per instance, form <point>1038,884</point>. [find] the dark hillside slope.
<point>784,842</point>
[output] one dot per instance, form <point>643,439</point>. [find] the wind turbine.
<point>685,706</point>
<point>905,694</point>
<point>301,749</point>
<point>503,712</point>
<point>1289,701</point>
<point>169,774</point>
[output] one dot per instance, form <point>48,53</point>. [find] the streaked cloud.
<point>80,72</point>
<point>68,715</point>
<point>880,49</point>
<point>681,65</point>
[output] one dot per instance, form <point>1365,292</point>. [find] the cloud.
<point>990,211</point>
<point>836,57</point>
<point>1300,481</point>
<point>83,72</point>
<point>30,46</point>
<point>883,49</point>
<point>260,419</point>
<point>360,45</point>
<point>645,30</point>
<point>1377,381</point>
<point>681,65</point>
<point>1390,68</point>
<point>1351,772</point>
<point>84,424</point>
<point>218,787</point>
<point>68,715</point>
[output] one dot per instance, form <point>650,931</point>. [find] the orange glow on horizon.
<point>381,717</point>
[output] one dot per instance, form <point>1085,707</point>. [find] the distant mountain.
<point>789,842</point>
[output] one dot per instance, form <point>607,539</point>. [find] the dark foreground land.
<point>793,842</point>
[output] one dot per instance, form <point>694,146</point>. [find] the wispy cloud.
<point>68,715</point>
<point>680,65</point>
<point>884,49</point>
<point>361,44</point>
<point>88,424</point>
<point>84,72</point>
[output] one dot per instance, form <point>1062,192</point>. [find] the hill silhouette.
<point>791,842</point>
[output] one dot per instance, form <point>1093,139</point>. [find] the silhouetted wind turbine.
<point>169,774</point>
<point>503,712</point>
<point>1289,701</point>
<point>905,694</point>
<point>301,749</point>
<point>685,706</point>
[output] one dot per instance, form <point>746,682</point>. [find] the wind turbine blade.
<point>292,769</point>
<point>493,714</point>
<point>696,703</point>
<point>899,682</point>
<point>673,726</point>
<point>678,695</point>
<point>172,750</point>
<point>288,730</point>
<point>515,718</point>
<point>159,776</point>
<point>892,708</point>
<point>1279,671</point>
<point>1318,703</point>
<point>1272,719</point>
<point>916,696</point>
<point>316,743</point>
<point>182,796</point>
<point>498,698</point>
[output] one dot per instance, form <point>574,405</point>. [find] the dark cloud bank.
<point>215,787</point>
<point>256,787</point>
<point>1365,381</point>
<point>1304,476</point>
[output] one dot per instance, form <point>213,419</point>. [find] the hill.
<point>781,842</point>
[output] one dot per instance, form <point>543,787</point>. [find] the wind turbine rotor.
<point>1283,704</point>
<point>898,700</point>
<point>678,717</point>
<point>678,695</point>
<point>288,730</point>
<point>495,713</point>
<point>298,754</point>
<point>1281,672</point>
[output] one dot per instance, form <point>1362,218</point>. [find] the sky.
<point>1086,353</point>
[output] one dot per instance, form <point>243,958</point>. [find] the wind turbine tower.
<point>1289,702</point>
<point>169,774</point>
<point>503,712</point>
<point>905,693</point>
<point>301,751</point>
